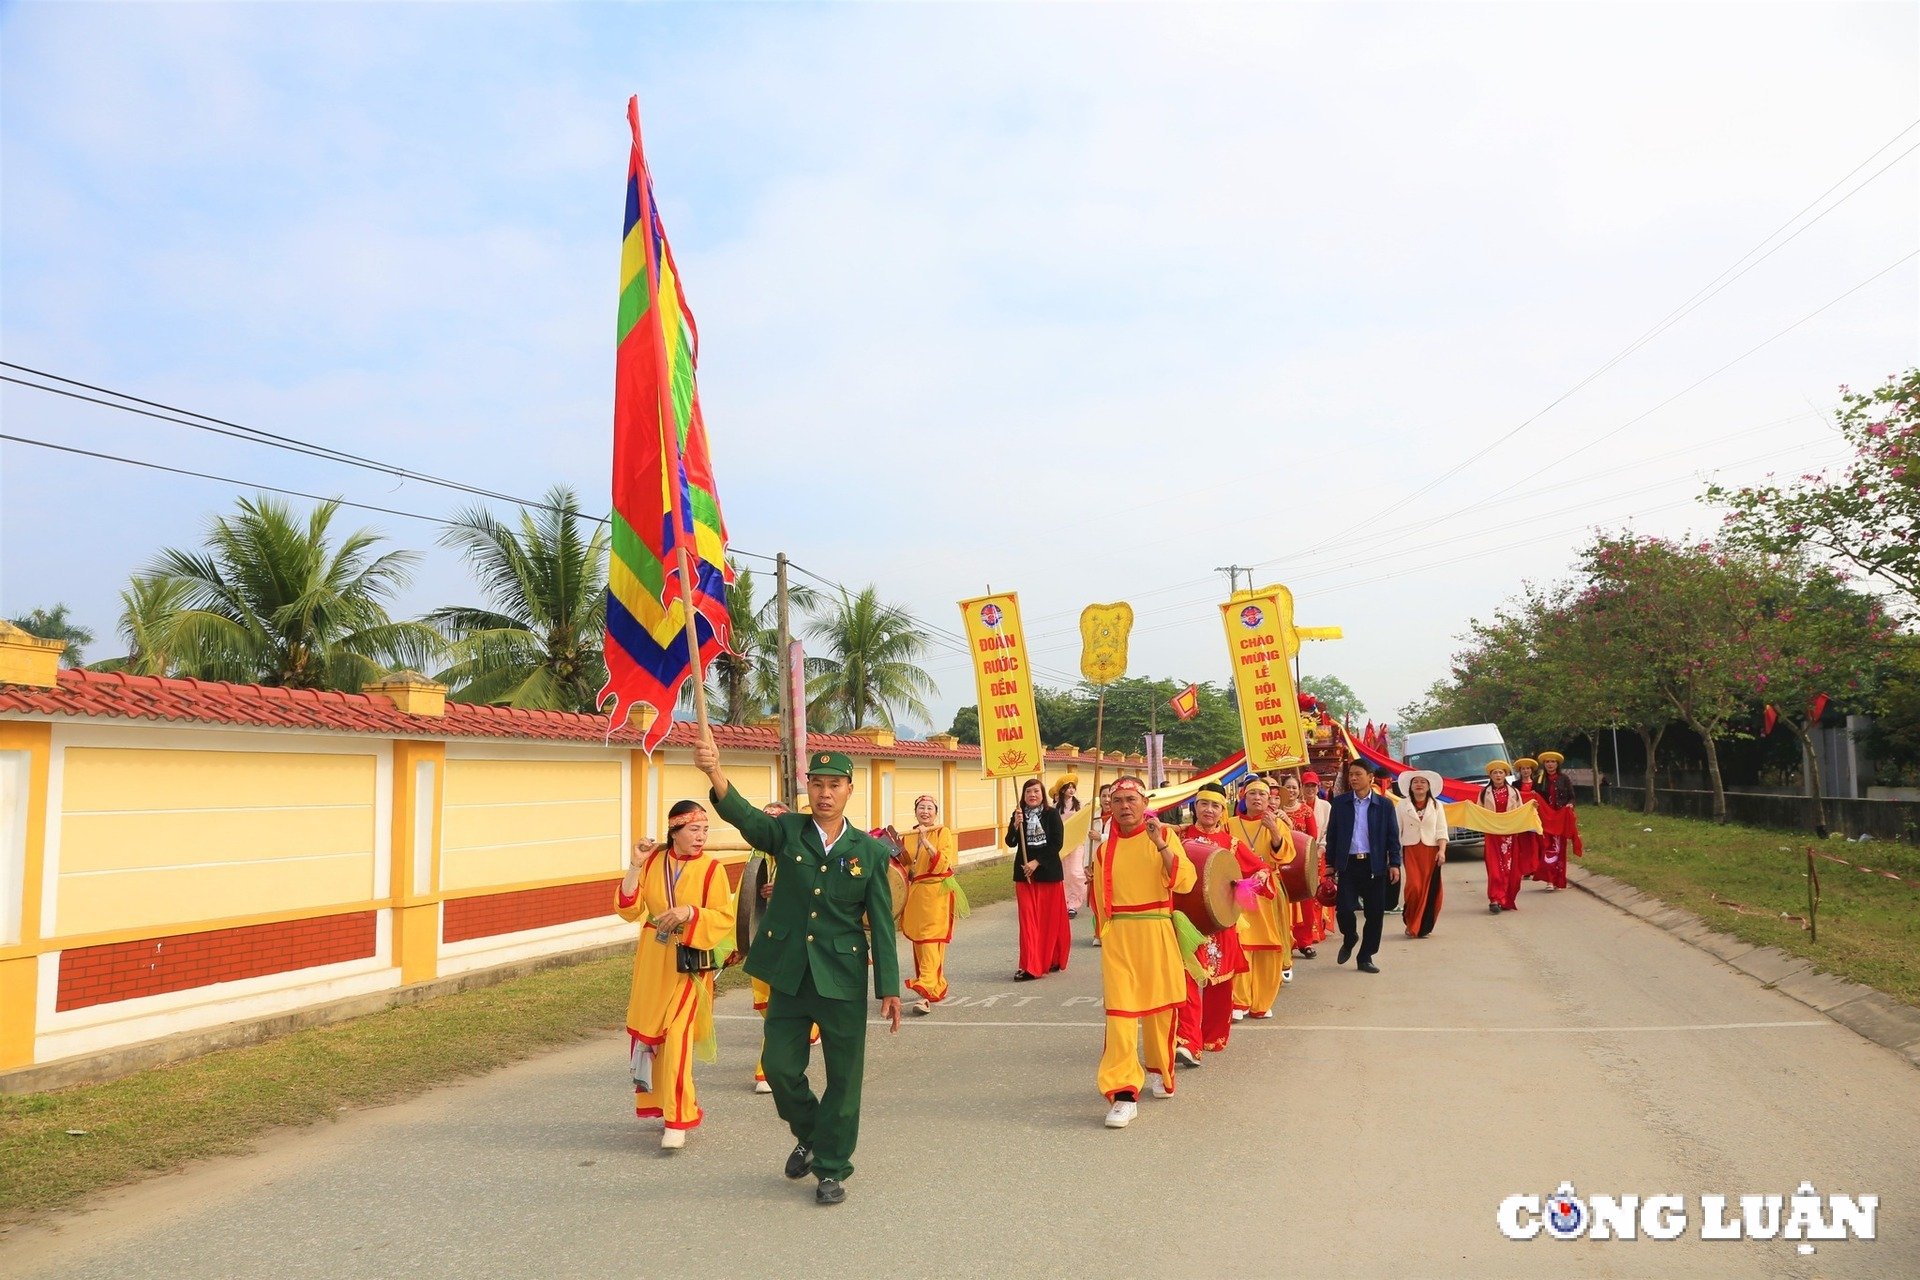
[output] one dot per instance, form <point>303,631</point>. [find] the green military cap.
<point>830,764</point>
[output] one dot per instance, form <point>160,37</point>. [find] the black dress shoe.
<point>1368,966</point>
<point>829,1192</point>
<point>1021,975</point>
<point>1346,952</point>
<point>1308,952</point>
<point>1493,908</point>
<point>800,1163</point>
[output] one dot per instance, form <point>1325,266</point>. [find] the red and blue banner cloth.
<point>1450,788</point>
<point>664,496</point>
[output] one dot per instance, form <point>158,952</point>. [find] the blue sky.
<point>1080,300</point>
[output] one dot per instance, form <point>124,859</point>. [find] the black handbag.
<point>688,959</point>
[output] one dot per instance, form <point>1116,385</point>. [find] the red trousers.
<point>1045,937</point>
<point>1503,870</point>
<point>1206,1016</point>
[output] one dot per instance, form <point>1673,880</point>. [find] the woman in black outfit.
<point>1039,884</point>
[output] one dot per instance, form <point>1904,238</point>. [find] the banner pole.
<point>693,639</point>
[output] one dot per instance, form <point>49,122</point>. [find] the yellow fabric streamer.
<point>1474,817</point>
<point>706,1043</point>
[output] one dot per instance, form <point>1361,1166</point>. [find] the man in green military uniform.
<point>830,907</point>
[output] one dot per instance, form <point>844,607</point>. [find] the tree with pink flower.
<point>1865,518</point>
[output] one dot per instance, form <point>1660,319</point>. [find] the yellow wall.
<point>973,801</point>
<point>910,780</point>
<point>511,822</point>
<point>152,837</point>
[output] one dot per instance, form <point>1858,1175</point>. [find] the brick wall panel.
<point>490,915</point>
<point>154,966</point>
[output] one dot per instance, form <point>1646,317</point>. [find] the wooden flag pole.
<point>693,638</point>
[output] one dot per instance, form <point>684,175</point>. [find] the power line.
<point>1334,570</point>
<point>207,475</point>
<point>1673,317</point>
<point>1608,435</point>
<point>253,435</point>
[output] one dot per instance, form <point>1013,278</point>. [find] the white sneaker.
<point>1239,1015</point>
<point>1185,1057</point>
<point>1121,1114</point>
<point>1159,1089</point>
<point>1096,942</point>
<point>924,1008</point>
<point>1261,1017</point>
<point>673,1139</point>
<point>1286,976</point>
<point>761,1086</point>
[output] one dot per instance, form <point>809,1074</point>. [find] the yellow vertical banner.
<point>1009,729</point>
<point>1259,638</point>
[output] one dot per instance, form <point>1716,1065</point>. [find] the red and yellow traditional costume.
<point>1527,852</point>
<point>1266,932</point>
<point>669,1012</point>
<point>1309,924</point>
<point>931,857</point>
<point>1141,974</point>
<point>1206,1019</point>
<point>1502,851</point>
<point>1560,830</point>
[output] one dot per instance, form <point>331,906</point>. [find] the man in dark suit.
<point>1363,842</point>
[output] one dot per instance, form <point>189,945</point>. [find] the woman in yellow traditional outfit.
<point>686,901</point>
<point>1136,872</point>
<point>933,852</point>
<point>1266,931</point>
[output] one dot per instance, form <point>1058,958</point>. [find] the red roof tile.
<point>118,696</point>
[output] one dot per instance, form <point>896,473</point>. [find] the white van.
<point>1462,753</point>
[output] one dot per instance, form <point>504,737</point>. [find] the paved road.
<point>1372,1132</point>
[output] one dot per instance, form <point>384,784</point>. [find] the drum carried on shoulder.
<point>1296,874</point>
<point>749,906</point>
<point>896,872</point>
<point>1210,904</point>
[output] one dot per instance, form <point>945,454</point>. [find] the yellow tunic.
<point>1140,966</point>
<point>658,989</point>
<point>931,858</point>
<point>1266,927</point>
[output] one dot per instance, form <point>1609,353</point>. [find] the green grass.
<point>159,1120</point>
<point>1747,881</point>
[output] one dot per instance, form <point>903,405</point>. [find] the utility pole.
<point>789,786</point>
<point>1233,572</point>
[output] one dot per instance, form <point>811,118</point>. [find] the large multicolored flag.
<point>664,498</point>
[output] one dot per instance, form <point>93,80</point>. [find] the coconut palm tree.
<point>54,624</point>
<point>539,642</point>
<point>870,670</point>
<point>150,605</point>
<point>275,600</point>
<point>744,684</point>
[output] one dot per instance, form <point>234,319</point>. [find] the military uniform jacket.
<point>818,916</point>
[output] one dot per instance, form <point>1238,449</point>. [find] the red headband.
<point>674,824</point>
<point>1128,784</point>
<point>929,799</point>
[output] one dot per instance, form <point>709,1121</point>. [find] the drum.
<point>1210,904</point>
<point>749,908</point>
<point>897,883</point>
<point>1296,875</point>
